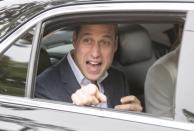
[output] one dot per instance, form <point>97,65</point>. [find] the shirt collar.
<point>79,76</point>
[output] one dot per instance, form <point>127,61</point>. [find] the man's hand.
<point>88,95</point>
<point>129,103</point>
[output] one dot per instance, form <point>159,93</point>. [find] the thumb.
<point>101,97</point>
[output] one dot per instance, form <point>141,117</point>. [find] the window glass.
<point>14,65</point>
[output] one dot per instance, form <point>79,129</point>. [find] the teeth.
<point>94,63</point>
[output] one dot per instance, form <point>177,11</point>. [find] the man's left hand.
<point>129,103</point>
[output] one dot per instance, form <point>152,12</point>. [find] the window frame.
<point>12,44</point>
<point>76,9</point>
<point>29,91</point>
<point>184,91</point>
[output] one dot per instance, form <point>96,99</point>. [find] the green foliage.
<point>13,77</point>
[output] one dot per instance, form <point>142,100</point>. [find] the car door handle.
<point>189,115</point>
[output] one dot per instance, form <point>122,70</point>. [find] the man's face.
<point>94,49</point>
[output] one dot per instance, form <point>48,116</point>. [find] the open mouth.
<point>93,66</point>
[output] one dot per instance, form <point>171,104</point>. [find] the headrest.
<point>134,44</point>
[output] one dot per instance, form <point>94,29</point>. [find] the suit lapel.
<point>68,78</point>
<point>109,92</point>
<point>70,83</point>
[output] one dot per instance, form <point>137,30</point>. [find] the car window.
<point>148,34</point>
<point>14,65</point>
<point>140,45</point>
<point>146,44</point>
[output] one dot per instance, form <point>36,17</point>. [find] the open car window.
<point>150,34</point>
<point>140,45</point>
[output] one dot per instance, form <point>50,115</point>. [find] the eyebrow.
<point>105,36</point>
<point>86,34</point>
<point>108,36</point>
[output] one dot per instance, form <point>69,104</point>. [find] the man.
<point>84,76</point>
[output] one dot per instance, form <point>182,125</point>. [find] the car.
<point>36,34</point>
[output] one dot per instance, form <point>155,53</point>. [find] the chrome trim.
<point>95,8</point>
<point>132,117</point>
<point>30,76</point>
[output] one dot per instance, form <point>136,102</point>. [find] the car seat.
<point>134,56</point>
<point>44,61</point>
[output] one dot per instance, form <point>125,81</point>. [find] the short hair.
<point>77,30</point>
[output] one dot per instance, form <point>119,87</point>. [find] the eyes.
<point>104,42</point>
<point>87,40</point>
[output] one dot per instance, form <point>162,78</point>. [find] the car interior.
<point>134,56</point>
<point>140,45</point>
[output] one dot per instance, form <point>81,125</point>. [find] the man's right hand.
<point>88,95</point>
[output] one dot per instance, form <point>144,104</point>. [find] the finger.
<point>75,99</point>
<point>90,89</point>
<point>85,99</point>
<point>101,97</point>
<point>93,101</point>
<point>130,99</point>
<point>129,107</point>
<point>81,98</point>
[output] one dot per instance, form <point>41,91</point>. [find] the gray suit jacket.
<point>59,83</point>
<point>160,85</point>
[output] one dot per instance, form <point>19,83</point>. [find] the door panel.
<point>185,82</point>
<point>36,114</point>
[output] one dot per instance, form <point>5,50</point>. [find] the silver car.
<point>35,34</point>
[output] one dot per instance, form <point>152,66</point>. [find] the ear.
<point>74,39</point>
<point>116,44</point>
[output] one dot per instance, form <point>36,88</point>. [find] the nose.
<point>95,50</point>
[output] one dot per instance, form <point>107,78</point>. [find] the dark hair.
<point>77,30</point>
<point>178,30</point>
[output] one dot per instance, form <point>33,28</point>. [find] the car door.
<point>184,106</point>
<point>149,122</point>
<point>66,116</point>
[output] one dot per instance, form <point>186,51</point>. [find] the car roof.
<point>15,12</point>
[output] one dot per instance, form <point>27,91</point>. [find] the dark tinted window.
<point>14,64</point>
